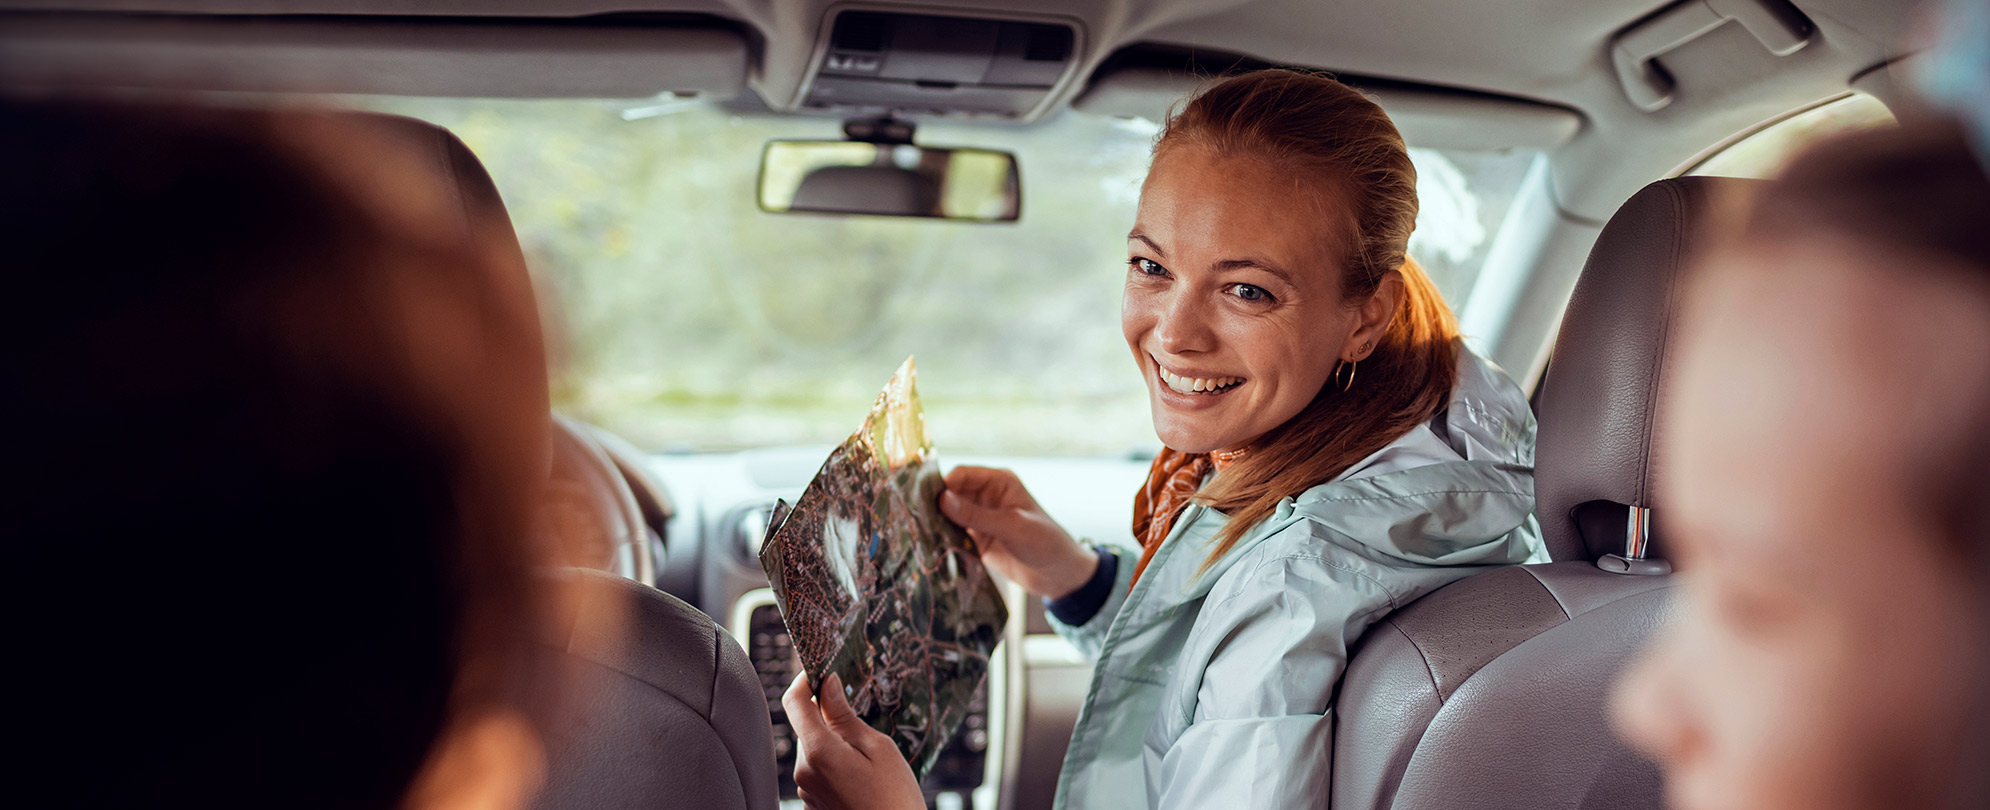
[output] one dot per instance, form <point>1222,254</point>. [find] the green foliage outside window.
<point>684,317</point>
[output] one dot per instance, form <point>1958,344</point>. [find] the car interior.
<point>1577,139</point>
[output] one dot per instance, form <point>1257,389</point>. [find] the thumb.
<point>973,515</point>
<point>837,713</point>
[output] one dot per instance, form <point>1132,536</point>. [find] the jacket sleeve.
<point>1090,636</point>
<point>1263,660</point>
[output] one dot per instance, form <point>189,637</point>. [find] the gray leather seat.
<point>663,709</point>
<point>1492,692</point>
<point>666,712</point>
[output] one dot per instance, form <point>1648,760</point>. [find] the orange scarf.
<point>1171,482</point>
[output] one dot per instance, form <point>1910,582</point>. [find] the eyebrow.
<point>1255,264</point>
<point>1222,266</point>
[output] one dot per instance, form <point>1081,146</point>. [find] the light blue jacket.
<point>1216,689</point>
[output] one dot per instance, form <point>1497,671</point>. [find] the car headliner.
<point>1553,52</point>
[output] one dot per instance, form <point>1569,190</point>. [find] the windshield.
<point>686,319</point>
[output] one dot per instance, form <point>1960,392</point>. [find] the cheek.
<point>1136,316</point>
<point>1787,736</point>
<point>1295,353</point>
<point>1903,676</point>
<point>1755,719</point>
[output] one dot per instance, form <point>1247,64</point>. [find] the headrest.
<point>1598,406</point>
<point>591,516</point>
<point>460,172</point>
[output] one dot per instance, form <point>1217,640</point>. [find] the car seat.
<point>663,709</point>
<point>1493,692</point>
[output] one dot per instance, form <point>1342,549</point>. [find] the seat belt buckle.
<point>1637,543</point>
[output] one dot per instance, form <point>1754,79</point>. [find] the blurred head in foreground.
<point>1825,456</point>
<point>279,424</point>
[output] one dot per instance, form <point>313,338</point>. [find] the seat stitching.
<point>1397,776</point>
<point>1566,617</point>
<point>572,647</point>
<point>718,667</point>
<point>712,694</point>
<point>1428,671</point>
<point>1677,197</point>
<point>1551,593</point>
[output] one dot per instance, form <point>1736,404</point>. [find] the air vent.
<point>773,659</point>
<point>961,764</point>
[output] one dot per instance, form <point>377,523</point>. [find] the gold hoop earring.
<point>1350,368</point>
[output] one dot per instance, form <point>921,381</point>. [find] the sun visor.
<point>1430,117</point>
<point>393,56</point>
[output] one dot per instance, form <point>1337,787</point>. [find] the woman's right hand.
<point>1016,538</point>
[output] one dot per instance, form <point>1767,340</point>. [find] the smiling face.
<point>1233,302</point>
<point>1820,656</point>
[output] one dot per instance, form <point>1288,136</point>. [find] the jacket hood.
<point>1458,489</point>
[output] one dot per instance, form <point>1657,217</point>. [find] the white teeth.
<point>1195,385</point>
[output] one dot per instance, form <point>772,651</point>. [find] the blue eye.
<point>1249,293</point>
<point>1148,267</point>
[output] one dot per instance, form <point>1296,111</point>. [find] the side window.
<point>1762,153</point>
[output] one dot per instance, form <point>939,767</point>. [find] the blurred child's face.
<point>1819,655</point>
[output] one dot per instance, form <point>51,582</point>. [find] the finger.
<point>974,515</point>
<point>797,693</point>
<point>983,541</point>
<point>836,711</point>
<point>967,477</point>
<point>989,486</point>
<point>812,735</point>
<point>962,509</point>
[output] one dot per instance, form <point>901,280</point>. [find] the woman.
<point>1332,453</point>
<point>1827,497</point>
<point>285,422</point>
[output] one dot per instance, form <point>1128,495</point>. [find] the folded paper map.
<point>879,588</point>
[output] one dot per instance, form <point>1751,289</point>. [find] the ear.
<point>491,762</point>
<point>1372,319</point>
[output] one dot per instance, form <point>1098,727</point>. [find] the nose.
<point>1648,710</point>
<point>1182,325</point>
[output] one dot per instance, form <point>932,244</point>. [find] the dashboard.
<point>1007,751</point>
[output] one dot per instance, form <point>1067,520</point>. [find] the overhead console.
<point>1145,81</point>
<point>882,63</point>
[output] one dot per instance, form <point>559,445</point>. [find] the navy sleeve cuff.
<point>1079,606</point>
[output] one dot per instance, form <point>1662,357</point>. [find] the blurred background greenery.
<point>686,319</point>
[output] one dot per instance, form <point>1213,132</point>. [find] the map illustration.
<point>876,586</point>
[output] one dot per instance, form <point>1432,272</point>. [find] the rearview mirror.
<point>889,179</point>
